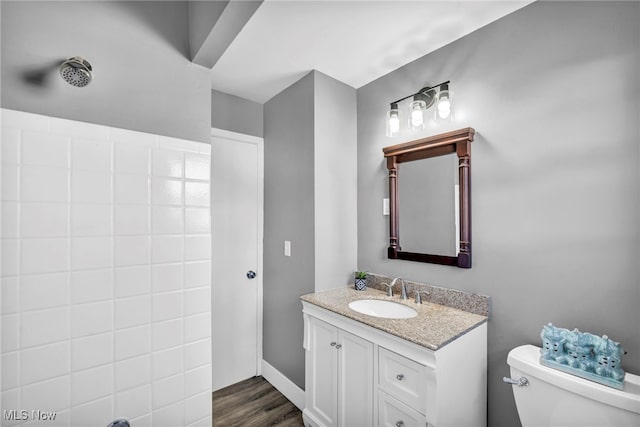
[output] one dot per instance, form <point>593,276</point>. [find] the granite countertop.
<point>434,326</point>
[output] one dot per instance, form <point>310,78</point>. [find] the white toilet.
<point>555,399</point>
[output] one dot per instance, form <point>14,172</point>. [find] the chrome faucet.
<point>403,287</point>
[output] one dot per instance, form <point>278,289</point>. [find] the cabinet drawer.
<point>403,379</point>
<point>392,413</point>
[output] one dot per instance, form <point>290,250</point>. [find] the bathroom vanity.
<point>362,370</point>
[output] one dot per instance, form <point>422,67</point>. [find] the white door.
<point>236,228</point>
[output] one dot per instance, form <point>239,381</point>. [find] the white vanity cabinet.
<point>359,376</point>
<point>339,376</point>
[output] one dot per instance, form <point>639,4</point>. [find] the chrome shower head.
<point>76,71</point>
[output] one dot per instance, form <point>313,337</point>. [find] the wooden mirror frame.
<point>459,142</point>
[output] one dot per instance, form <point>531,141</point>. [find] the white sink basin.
<point>382,308</point>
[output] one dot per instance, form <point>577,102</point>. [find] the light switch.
<point>287,248</point>
<point>385,206</point>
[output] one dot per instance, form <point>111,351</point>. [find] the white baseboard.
<point>283,384</point>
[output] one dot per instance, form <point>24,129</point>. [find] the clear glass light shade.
<point>393,121</point>
<point>417,111</point>
<point>444,106</point>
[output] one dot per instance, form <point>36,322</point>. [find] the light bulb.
<point>394,124</point>
<point>444,108</point>
<point>444,112</point>
<point>416,118</point>
<point>417,109</point>
<point>393,120</point>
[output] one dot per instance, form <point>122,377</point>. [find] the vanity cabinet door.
<point>322,372</point>
<point>355,380</point>
<point>339,377</point>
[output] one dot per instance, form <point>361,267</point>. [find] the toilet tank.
<point>556,399</point>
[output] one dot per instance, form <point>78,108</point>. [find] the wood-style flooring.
<point>254,403</point>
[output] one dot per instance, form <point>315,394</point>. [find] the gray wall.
<point>336,182</point>
<point>142,77</point>
<point>309,135</point>
<point>553,92</point>
<point>236,114</point>
<point>288,215</point>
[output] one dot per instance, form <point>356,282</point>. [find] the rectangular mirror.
<point>428,206</point>
<point>430,199</point>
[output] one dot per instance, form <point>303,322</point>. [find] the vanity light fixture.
<point>424,99</point>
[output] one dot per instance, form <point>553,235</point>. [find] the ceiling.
<point>354,42</point>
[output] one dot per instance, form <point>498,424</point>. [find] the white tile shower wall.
<point>105,274</point>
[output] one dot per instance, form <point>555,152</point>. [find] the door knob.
<point>251,274</point>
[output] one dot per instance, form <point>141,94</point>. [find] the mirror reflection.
<point>428,205</point>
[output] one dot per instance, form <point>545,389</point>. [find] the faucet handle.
<point>389,289</point>
<point>419,298</point>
